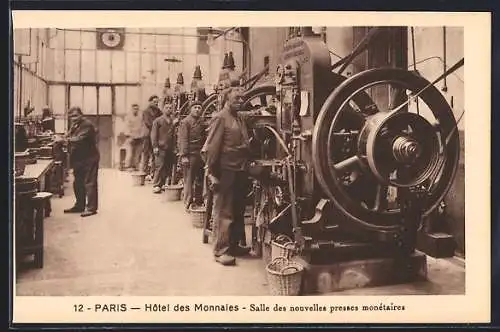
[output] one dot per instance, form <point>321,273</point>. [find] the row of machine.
<point>365,162</point>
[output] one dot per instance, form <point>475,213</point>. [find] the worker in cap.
<point>163,143</point>
<point>191,138</point>
<point>84,159</point>
<point>151,113</point>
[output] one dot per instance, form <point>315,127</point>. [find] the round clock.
<point>111,38</point>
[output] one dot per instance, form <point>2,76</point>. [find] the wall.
<point>266,42</point>
<point>29,70</point>
<point>433,47</point>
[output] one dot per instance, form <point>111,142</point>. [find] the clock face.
<point>111,38</point>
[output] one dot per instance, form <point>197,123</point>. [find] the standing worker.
<point>163,143</point>
<point>48,121</point>
<point>84,159</point>
<point>134,133</point>
<point>191,138</point>
<point>226,153</point>
<point>148,116</point>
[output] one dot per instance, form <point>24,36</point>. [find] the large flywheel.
<point>365,155</point>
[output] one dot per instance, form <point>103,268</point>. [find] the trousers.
<point>163,167</point>
<point>229,210</point>
<point>134,153</point>
<point>85,185</point>
<point>147,154</point>
<point>193,180</point>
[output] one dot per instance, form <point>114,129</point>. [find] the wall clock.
<point>111,38</point>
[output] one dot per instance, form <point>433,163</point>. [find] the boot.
<point>74,209</point>
<point>239,251</point>
<point>88,213</point>
<point>225,260</point>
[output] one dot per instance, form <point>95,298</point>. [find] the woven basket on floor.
<point>284,277</point>
<point>138,178</point>
<point>282,246</point>
<point>172,193</point>
<point>197,214</point>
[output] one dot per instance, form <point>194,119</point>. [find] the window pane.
<point>132,97</point>
<point>133,64</point>
<point>118,66</point>
<point>105,101</point>
<point>89,100</point>
<point>76,96</point>
<point>88,66</point>
<point>104,66</point>
<point>57,99</point>
<point>120,100</point>
<point>72,66</point>
<point>72,39</point>
<point>88,39</point>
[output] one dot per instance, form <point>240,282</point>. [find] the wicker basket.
<point>284,277</point>
<point>138,178</point>
<point>282,246</point>
<point>172,192</point>
<point>197,214</point>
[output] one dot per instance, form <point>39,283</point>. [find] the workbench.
<point>32,205</point>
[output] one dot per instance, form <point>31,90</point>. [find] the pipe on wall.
<point>445,85</point>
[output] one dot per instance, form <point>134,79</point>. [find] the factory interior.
<point>363,193</point>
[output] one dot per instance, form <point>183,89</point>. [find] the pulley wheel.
<point>363,159</point>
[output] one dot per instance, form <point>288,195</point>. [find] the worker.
<point>135,140</point>
<point>48,121</point>
<point>21,138</point>
<point>191,138</point>
<point>163,143</point>
<point>148,116</point>
<point>84,160</point>
<point>226,153</point>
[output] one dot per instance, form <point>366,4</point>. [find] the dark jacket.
<point>82,138</point>
<point>49,123</point>
<point>21,138</point>
<point>227,144</point>
<point>162,133</point>
<point>192,133</point>
<point>148,116</point>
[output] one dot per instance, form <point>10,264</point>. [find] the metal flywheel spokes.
<point>364,155</point>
